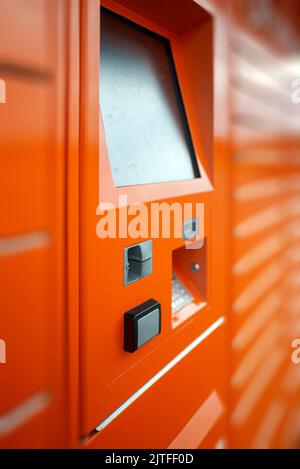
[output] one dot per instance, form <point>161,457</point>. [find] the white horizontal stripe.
<point>259,254</point>
<point>258,287</point>
<point>269,425</point>
<point>23,242</point>
<point>260,189</point>
<point>267,218</point>
<point>161,373</point>
<point>221,443</point>
<point>257,387</point>
<point>258,351</point>
<point>254,323</point>
<point>23,412</point>
<point>260,221</point>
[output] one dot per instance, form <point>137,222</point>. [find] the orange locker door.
<point>264,398</point>
<point>32,205</point>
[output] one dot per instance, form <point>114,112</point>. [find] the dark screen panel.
<point>145,124</point>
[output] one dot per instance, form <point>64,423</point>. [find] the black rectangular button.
<point>141,324</point>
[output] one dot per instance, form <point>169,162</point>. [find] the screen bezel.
<point>109,193</point>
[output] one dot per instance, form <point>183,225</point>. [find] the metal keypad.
<point>180,295</point>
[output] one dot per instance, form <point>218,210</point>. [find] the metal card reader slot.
<point>137,262</point>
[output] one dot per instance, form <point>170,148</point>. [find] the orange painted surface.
<point>32,229</point>
<point>62,296</point>
<point>264,245</point>
<point>120,375</point>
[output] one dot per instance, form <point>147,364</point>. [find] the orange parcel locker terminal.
<point>152,309</point>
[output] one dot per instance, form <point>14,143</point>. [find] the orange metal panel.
<point>107,384</point>
<point>32,223</point>
<point>158,417</point>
